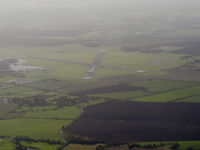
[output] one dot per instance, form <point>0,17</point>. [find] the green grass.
<point>41,146</point>
<point>81,54</point>
<point>152,86</point>
<point>162,85</point>
<point>86,104</point>
<point>69,72</point>
<point>64,113</point>
<point>171,95</point>
<point>5,144</point>
<point>104,72</point>
<point>187,144</point>
<point>33,128</point>
<point>141,61</point>
<point>193,99</point>
<point>122,95</point>
<point>80,147</point>
<point>36,108</point>
<point>47,84</point>
<point>39,124</point>
<point>6,108</point>
<point>184,145</point>
<point>19,91</point>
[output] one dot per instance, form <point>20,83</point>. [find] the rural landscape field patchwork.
<point>100,75</point>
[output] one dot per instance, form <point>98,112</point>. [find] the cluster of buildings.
<point>20,66</point>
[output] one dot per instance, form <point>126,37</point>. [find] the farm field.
<point>192,99</point>
<point>125,80</point>
<point>6,108</point>
<point>175,95</point>
<point>42,146</point>
<point>138,121</point>
<point>63,113</point>
<point>5,144</point>
<point>79,146</point>
<point>155,62</point>
<point>19,92</point>
<point>99,75</point>
<point>33,128</point>
<point>150,87</point>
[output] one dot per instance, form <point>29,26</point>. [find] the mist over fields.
<point>71,18</point>
<point>99,74</point>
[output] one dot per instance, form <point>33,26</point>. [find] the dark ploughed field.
<point>125,121</point>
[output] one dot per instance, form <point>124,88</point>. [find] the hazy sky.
<point>46,13</point>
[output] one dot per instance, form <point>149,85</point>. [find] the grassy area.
<point>5,144</point>
<point>171,95</point>
<point>152,86</point>
<point>86,104</point>
<point>141,61</point>
<point>33,128</point>
<point>192,99</point>
<point>39,122</point>
<point>184,145</point>
<point>104,72</point>
<point>19,91</point>
<point>57,59</point>
<point>36,108</point>
<point>80,147</point>
<point>6,108</point>
<point>162,85</point>
<point>48,84</point>
<point>69,72</point>
<point>63,113</point>
<point>122,95</point>
<point>41,146</point>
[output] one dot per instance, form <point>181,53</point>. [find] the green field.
<point>80,147</point>
<point>19,91</point>
<point>63,113</point>
<point>122,95</point>
<point>162,85</point>
<point>151,47</point>
<point>36,108</point>
<point>184,145</point>
<point>192,99</point>
<point>174,95</point>
<point>6,108</point>
<point>60,61</point>
<point>152,87</point>
<point>33,128</point>
<point>39,122</point>
<point>5,144</point>
<point>141,61</point>
<point>41,146</point>
<point>50,84</point>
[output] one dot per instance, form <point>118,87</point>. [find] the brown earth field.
<point>191,48</point>
<point>109,89</point>
<point>179,74</point>
<point>126,121</point>
<point>190,45</point>
<point>99,83</point>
